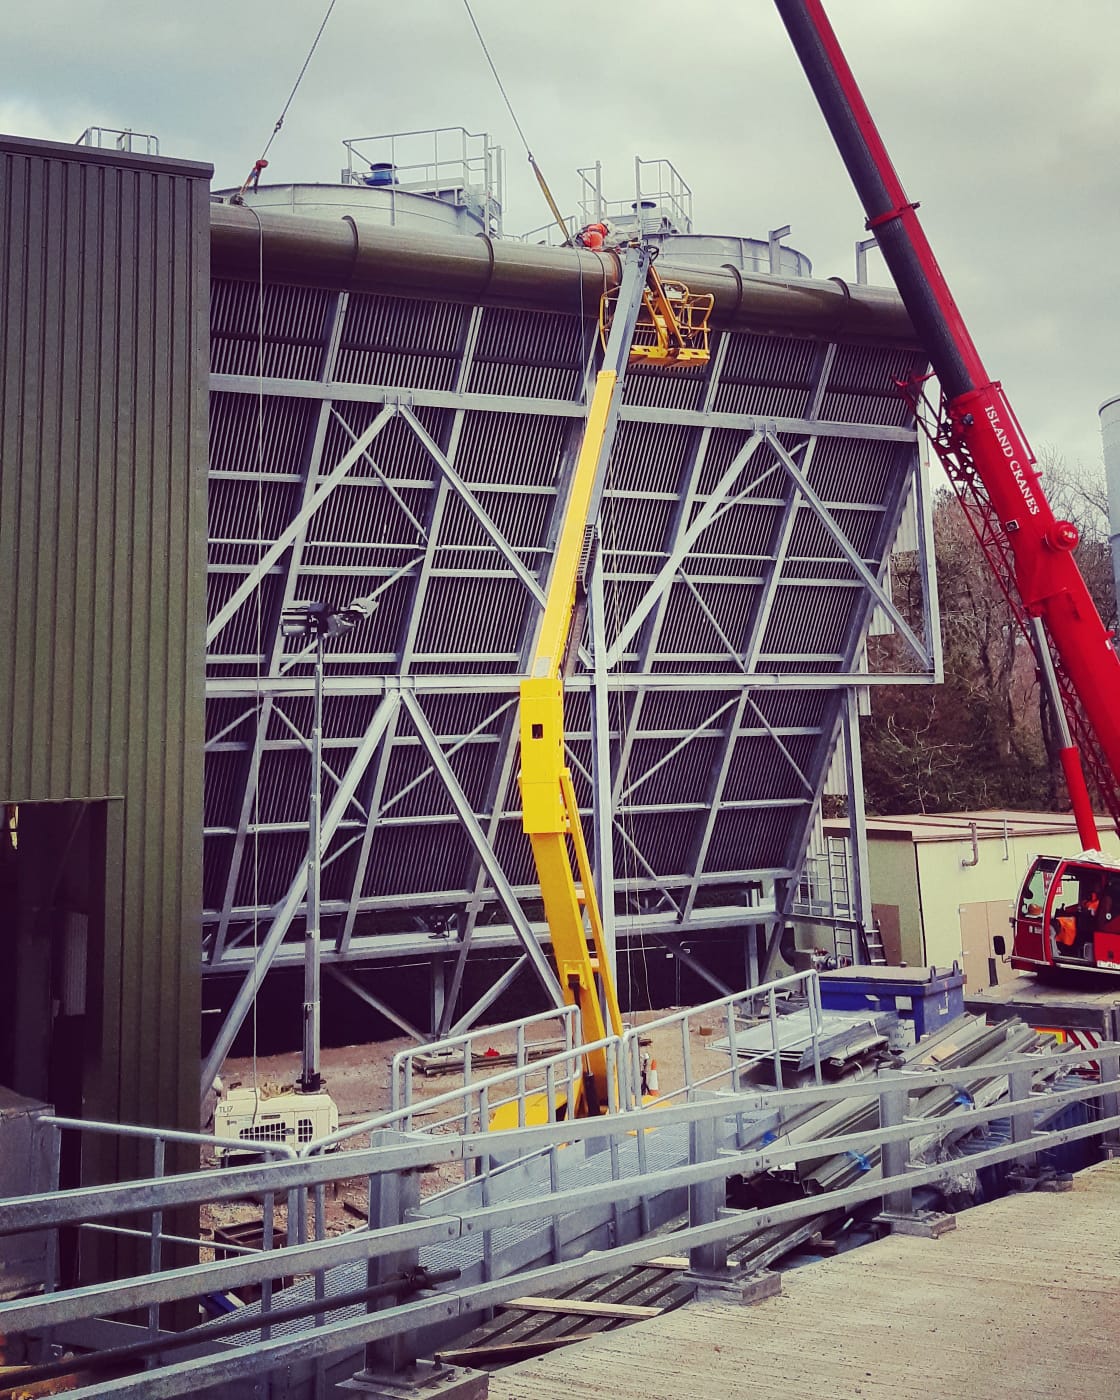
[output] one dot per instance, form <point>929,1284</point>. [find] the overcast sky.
<point>1002,117</point>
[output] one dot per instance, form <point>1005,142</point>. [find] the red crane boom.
<point>979,440</point>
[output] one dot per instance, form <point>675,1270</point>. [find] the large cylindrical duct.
<point>1110,434</point>
<point>366,257</point>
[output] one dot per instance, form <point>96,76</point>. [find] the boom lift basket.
<point>672,325</point>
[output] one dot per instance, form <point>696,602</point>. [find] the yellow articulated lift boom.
<point>551,816</point>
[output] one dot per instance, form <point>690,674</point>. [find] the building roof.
<point>995,824</point>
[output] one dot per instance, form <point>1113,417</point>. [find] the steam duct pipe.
<point>376,258</point>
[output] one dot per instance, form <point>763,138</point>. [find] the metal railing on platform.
<point>743,1008</point>
<point>401,1298</point>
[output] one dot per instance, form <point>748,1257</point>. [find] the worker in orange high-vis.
<point>593,236</point>
<point>1074,924</point>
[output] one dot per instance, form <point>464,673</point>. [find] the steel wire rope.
<point>258,744</point>
<point>497,77</point>
<point>541,181</point>
<point>262,160</point>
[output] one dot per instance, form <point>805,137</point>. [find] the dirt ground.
<point>358,1078</point>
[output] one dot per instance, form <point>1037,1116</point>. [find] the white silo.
<point>1110,434</point>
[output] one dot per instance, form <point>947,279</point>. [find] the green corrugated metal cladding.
<point>104,305</point>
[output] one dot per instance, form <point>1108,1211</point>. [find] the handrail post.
<point>268,1242</point>
<point>705,1199</point>
<point>813,986</point>
<point>1022,1124</point>
<point>1108,1059</point>
<point>772,1006</point>
<point>392,1196</point>
<point>732,1049</point>
<point>894,1100</point>
<point>297,1215</point>
<point>154,1252</point>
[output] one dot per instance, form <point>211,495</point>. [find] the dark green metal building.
<point>104,346</point>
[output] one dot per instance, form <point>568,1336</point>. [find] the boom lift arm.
<point>551,815</point>
<point>978,437</point>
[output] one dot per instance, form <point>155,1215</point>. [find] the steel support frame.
<point>604,679</point>
<point>406,649</point>
<point>852,679</point>
<point>274,648</point>
<point>470,823</point>
<point>296,895</point>
<point>509,739</point>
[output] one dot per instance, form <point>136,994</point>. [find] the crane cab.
<point>1068,916</point>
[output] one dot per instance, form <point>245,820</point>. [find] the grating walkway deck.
<point>1022,1300</point>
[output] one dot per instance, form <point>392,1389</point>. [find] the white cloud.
<point>1000,117</point>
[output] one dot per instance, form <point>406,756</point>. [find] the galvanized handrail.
<point>708,1229</point>
<point>730,1007</point>
<point>557,1073</point>
<point>154,1135</point>
<point>403,1061</point>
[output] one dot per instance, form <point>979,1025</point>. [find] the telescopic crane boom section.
<point>978,437</point>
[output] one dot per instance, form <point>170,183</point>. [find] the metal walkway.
<point>567,1202</point>
<point>1018,1301</point>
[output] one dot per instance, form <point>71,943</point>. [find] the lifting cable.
<point>254,175</point>
<point>258,740</point>
<point>537,171</point>
<point>252,180</point>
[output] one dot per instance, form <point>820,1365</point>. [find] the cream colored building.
<point>942,886</point>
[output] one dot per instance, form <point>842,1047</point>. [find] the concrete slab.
<point>1019,1301</point>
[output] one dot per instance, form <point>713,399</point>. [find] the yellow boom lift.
<point>640,323</point>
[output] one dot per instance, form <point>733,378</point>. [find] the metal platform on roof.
<point>416,442</point>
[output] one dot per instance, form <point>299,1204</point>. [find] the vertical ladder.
<point>853,941</point>
<point>840,897</point>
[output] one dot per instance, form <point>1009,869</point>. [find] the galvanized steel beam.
<point>552,408</point>
<point>297,890</point>
<point>293,530</point>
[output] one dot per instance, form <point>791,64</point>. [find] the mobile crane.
<point>1068,911</point>
<point>645,321</point>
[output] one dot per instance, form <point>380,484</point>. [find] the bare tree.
<point>985,738</point>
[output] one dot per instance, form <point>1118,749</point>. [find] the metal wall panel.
<point>104,348</point>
